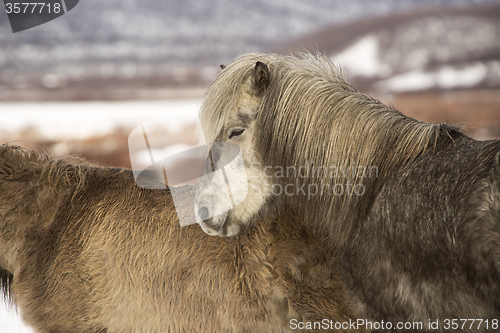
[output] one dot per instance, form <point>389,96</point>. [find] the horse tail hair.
<point>6,279</point>
<point>8,163</point>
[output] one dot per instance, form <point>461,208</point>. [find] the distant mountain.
<point>101,45</point>
<point>425,50</point>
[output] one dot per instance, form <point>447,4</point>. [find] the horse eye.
<point>236,132</point>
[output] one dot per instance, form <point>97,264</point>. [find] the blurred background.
<point>81,83</point>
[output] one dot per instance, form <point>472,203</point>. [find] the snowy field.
<point>61,121</point>
<point>10,321</point>
<point>73,120</point>
<point>363,58</point>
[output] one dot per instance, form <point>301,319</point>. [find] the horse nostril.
<point>204,213</point>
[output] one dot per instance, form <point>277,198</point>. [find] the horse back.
<point>434,227</point>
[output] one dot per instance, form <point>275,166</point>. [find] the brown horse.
<point>412,209</point>
<point>83,249</point>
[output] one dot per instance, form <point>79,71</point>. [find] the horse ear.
<point>260,78</point>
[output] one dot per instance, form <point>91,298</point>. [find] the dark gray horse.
<point>413,209</point>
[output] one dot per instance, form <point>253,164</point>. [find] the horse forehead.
<point>247,102</point>
<point>228,101</point>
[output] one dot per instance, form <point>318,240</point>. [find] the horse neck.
<point>359,158</point>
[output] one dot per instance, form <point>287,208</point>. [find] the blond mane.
<point>310,115</point>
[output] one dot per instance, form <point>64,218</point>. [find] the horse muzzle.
<point>213,226</point>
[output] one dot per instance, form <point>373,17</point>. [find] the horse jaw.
<point>232,222</point>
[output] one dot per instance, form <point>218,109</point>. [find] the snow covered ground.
<point>10,321</point>
<point>73,120</point>
<point>76,120</point>
<point>363,59</point>
<point>428,53</point>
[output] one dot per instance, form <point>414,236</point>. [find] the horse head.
<point>236,97</point>
<point>307,139</point>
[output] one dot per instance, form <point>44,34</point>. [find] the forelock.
<point>223,96</point>
<point>224,93</point>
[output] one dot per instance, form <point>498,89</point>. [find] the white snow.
<point>66,120</point>
<point>362,58</point>
<point>10,321</point>
<point>446,77</point>
<point>410,81</point>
